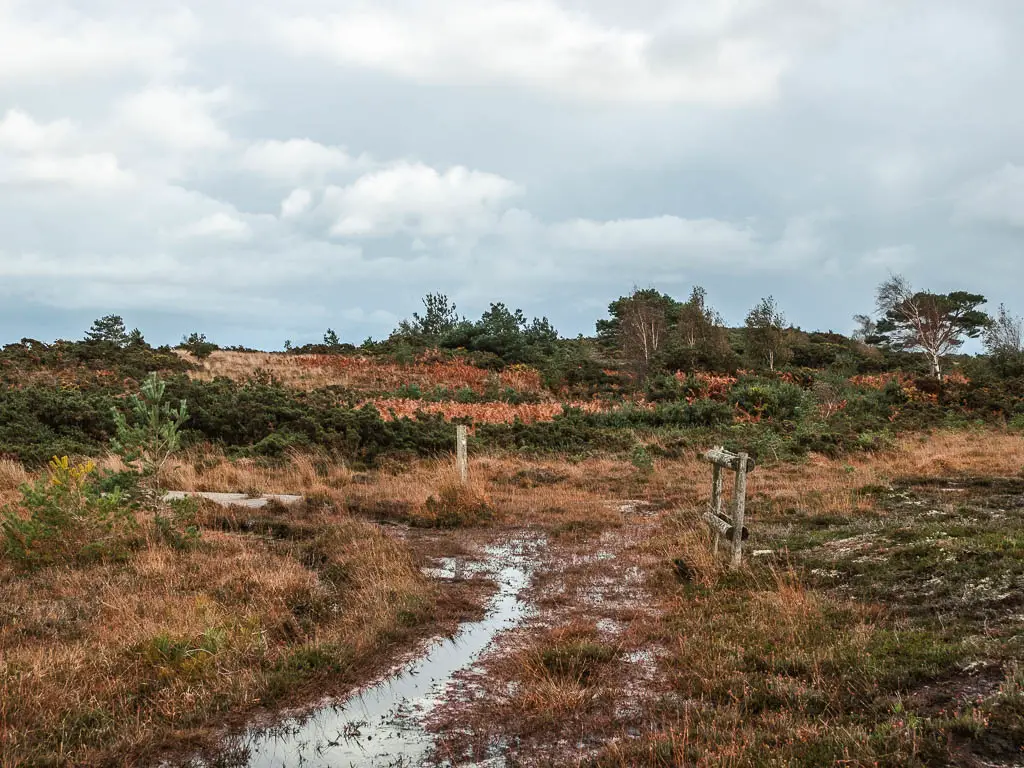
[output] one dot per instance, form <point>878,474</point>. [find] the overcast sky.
<point>260,171</point>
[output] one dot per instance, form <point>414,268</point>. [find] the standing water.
<point>384,724</point>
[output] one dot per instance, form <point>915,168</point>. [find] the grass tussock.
<point>559,674</point>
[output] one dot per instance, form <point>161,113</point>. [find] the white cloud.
<point>298,159</point>
<point>19,132</point>
<point>176,117</point>
<point>997,198</point>
<point>415,198</point>
<point>88,171</point>
<point>539,43</point>
<point>42,43</point>
<point>297,202</point>
<point>221,226</point>
<point>660,234</point>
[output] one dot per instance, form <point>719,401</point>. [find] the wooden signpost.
<point>461,453</point>
<point>720,525</point>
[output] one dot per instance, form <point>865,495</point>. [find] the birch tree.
<point>767,341</point>
<point>935,324</point>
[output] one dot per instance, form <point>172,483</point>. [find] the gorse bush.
<point>64,517</point>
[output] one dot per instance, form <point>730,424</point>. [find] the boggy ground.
<point>878,621</point>
<point>890,637</point>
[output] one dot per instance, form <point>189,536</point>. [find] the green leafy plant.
<point>641,459</point>
<point>151,433</point>
<point>64,517</point>
<point>179,529</point>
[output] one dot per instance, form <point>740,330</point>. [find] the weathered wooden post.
<point>739,510</point>
<point>716,499</point>
<point>720,526</point>
<point>461,452</point>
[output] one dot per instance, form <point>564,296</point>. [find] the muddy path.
<point>581,668</point>
<point>458,700</point>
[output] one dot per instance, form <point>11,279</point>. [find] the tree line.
<point>648,330</point>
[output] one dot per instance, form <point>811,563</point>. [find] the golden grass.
<point>358,372</point>
<point>530,490</point>
<point>12,477</point>
<point>84,679</point>
<point>102,664</point>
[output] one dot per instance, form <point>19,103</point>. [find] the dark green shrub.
<point>769,399</point>
<point>65,518</point>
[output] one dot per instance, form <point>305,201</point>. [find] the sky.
<point>262,171</point>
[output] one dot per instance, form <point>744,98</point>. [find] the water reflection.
<point>383,725</point>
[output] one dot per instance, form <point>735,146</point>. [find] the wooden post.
<point>461,453</point>
<point>716,499</point>
<point>739,509</point>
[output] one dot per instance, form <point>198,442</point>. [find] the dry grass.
<point>102,664</point>
<point>358,372</point>
<point>555,492</point>
<point>108,660</point>
<point>12,477</point>
<point>481,413</point>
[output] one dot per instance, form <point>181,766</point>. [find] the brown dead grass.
<point>82,683</point>
<point>102,664</point>
<point>12,477</point>
<point>554,492</point>
<point>358,372</point>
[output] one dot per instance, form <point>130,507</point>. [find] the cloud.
<point>21,133</point>
<point>296,203</point>
<point>217,161</point>
<point>418,199</point>
<point>298,159</point>
<point>542,44</point>
<point>37,45</point>
<point>222,226</point>
<point>996,198</point>
<point>176,117</point>
<point>890,257</point>
<point>99,171</point>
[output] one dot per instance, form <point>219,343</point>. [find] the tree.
<point>505,333</point>
<point>1004,341</point>
<point>638,325</point>
<point>150,433</point>
<point>109,329</point>
<point>197,344</point>
<point>1005,335</point>
<point>136,339</point>
<point>439,318</point>
<point>767,340</point>
<point>696,320</point>
<point>866,328</point>
<point>331,339</point>
<point>936,324</point>
<point>700,333</point>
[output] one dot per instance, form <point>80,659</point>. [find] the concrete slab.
<point>235,499</point>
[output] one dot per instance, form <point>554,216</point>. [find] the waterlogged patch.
<point>383,725</point>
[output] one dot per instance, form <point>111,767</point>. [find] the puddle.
<point>383,724</point>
